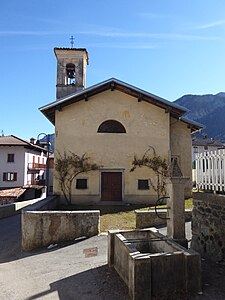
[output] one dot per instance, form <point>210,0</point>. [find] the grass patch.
<point>119,217</point>
<point>111,217</point>
<point>189,203</point>
<point>120,220</point>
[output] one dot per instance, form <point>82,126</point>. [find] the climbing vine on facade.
<point>67,167</point>
<point>156,163</point>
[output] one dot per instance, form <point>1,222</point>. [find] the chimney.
<point>32,140</point>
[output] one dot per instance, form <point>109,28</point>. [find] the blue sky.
<point>169,48</point>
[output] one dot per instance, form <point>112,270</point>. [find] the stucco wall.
<point>181,145</point>
<point>146,124</point>
<point>76,130</point>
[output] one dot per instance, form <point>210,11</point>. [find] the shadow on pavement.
<point>10,241</point>
<point>98,283</point>
<point>11,237</point>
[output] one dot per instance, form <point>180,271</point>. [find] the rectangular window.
<point>10,157</point>
<point>7,176</point>
<point>143,184</point>
<point>81,184</point>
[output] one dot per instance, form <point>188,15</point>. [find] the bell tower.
<point>71,70</point>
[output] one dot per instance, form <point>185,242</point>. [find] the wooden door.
<point>111,186</point>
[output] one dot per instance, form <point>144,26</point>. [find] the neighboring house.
<point>111,122</point>
<point>22,163</point>
<point>201,146</point>
<point>17,194</point>
<point>204,145</point>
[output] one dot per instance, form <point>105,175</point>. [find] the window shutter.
<point>15,177</point>
<point>4,176</point>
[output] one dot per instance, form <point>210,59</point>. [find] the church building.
<point>112,121</point>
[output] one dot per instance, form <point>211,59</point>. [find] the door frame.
<point>113,170</point>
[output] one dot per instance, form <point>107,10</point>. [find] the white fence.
<point>210,170</point>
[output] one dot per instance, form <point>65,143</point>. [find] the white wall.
<point>16,167</point>
<point>22,157</point>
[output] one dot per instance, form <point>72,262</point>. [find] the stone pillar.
<point>176,210</point>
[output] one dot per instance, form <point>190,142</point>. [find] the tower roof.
<point>71,50</point>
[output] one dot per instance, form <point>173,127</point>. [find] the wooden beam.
<point>85,97</point>
<point>140,98</point>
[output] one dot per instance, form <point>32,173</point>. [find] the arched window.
<point>111,126</point>
<point>70,72</point>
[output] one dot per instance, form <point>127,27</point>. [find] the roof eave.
<point>141,95</point>
<point>194,126</point>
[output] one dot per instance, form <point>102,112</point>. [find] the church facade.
<point>112,122</point>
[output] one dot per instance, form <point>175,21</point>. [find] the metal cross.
<point>72,41</point>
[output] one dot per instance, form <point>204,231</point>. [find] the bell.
<point>71,74</point>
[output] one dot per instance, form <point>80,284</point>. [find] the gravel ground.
<point>64,273</point>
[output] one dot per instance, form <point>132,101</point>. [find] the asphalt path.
<point>62,272</point>
<point>65,272</point>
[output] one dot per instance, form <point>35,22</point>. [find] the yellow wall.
<point>76,130</point>
<point>181,145</point>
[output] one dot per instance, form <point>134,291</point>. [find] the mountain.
<point>209,110</point>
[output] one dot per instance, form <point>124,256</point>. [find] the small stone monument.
<point>175,204</point>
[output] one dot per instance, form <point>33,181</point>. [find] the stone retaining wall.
<point>148,218</point>
<point>42,226</point>
<point>8,210</point>
<point>208,225</point>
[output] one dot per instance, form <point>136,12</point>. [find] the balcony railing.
<point>36,166</point>
<point>38,182</point>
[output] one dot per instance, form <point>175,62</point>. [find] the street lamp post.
<point>39,143</point>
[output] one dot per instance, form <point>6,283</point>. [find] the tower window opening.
<point>70,73</point>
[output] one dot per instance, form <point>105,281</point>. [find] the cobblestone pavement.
<point>64,273</point>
